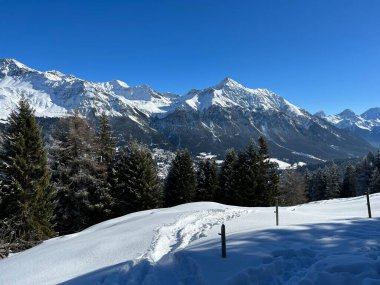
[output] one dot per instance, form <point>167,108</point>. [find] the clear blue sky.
<point>320,54</point>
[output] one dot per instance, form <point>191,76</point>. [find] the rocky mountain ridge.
<point>213,119</point>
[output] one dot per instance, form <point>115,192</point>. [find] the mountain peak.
<point>228,82</point>
<point>320,114</point>
<point>10,66</point>
<point>371,114</point>
<point>119,83</point>
<point>347,114</point>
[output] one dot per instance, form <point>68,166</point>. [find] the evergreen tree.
<point>180,182</point>
<point>27,198</point>
<point>256,177</point>
<point>375,181</point>
<point>207,183</point>
<point>349,183</point>
<point>377,160</point>
<point>292,188</point>
<point>227,190</point>
<point>308,177</point>
<point>246,177</point>
<point>267,176</point>
<point>333,182</point>
<point>364,172</point>
<point>106,143</point>
<point>318,188</point>
<point>81,180</point>
<point>136,184</point>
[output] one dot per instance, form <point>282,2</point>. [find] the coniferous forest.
<point>78,177</point>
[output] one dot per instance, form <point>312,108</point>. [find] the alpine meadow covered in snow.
<point>236,164</point>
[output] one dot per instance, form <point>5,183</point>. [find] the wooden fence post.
<point>277,217</point>
<point>368,205</point>
<point>223,240</point>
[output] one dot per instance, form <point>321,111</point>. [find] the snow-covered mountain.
<point>209,120</point>
<point>54,94</point>
<point>324,242</point>
<point>366,125</point>
<point>229,94</point>
<point>229,115</point>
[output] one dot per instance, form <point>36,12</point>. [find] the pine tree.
<point>377,160</point>
<point>364,172</point>
<point>106,143</point>
<point>180,182</point>
<point>292,188</point>
<point>81,180</point>
<point>349,183</point>
<point>206,180</point>
<point>267,176</point>
<point>309,184</point>
<point>227,190</point>
<point>27,198</point>
<point>333,182</point>
<point>136,186</point>
<point>318,188</point>
<point>246,177</point>
<point>375,181</point>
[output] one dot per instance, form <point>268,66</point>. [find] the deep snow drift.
<point>326,242</point>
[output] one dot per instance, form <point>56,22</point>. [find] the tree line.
<point>78,177</point>
<point>355,180</point>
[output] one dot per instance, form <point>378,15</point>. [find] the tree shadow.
<point>325,253</point>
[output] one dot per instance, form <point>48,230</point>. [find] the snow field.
<point>325,242</point>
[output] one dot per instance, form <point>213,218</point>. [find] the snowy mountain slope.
<point>230,115</point>
<point>325,242</point>
<point>54,94</point>
<point>229,93</point>
<point>209,120</point>
<point>366,125</point>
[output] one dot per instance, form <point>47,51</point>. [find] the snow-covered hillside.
<point>326,242</point>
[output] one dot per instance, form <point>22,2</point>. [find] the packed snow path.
<point>167,241</point>
<point>187,228</point>
<point>325,242</point>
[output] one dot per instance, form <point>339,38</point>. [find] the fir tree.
<point>180,182</point>
<point>106,143</point>
<point>318,188</point>
<point>227,190</point>
<point>377,160</point>
<point>349,183</point>
<point>206,180</point>
<point>333,182</point>
<point>375,181</point>
<point>309,184</point>
<point>292,188</point>
<point>246,177</point>
<point>136,186</point>
<point>27,198</point>
<point>364,172</point>
<point>81,180</point>
<point>267,176</point>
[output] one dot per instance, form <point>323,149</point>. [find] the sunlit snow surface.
<point>326,242</point>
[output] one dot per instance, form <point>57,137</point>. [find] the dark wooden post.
<point>368,205</point>
<point>223,240</point>
<point>277,218</point>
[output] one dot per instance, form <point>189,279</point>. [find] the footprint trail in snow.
<point>186,229</point>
